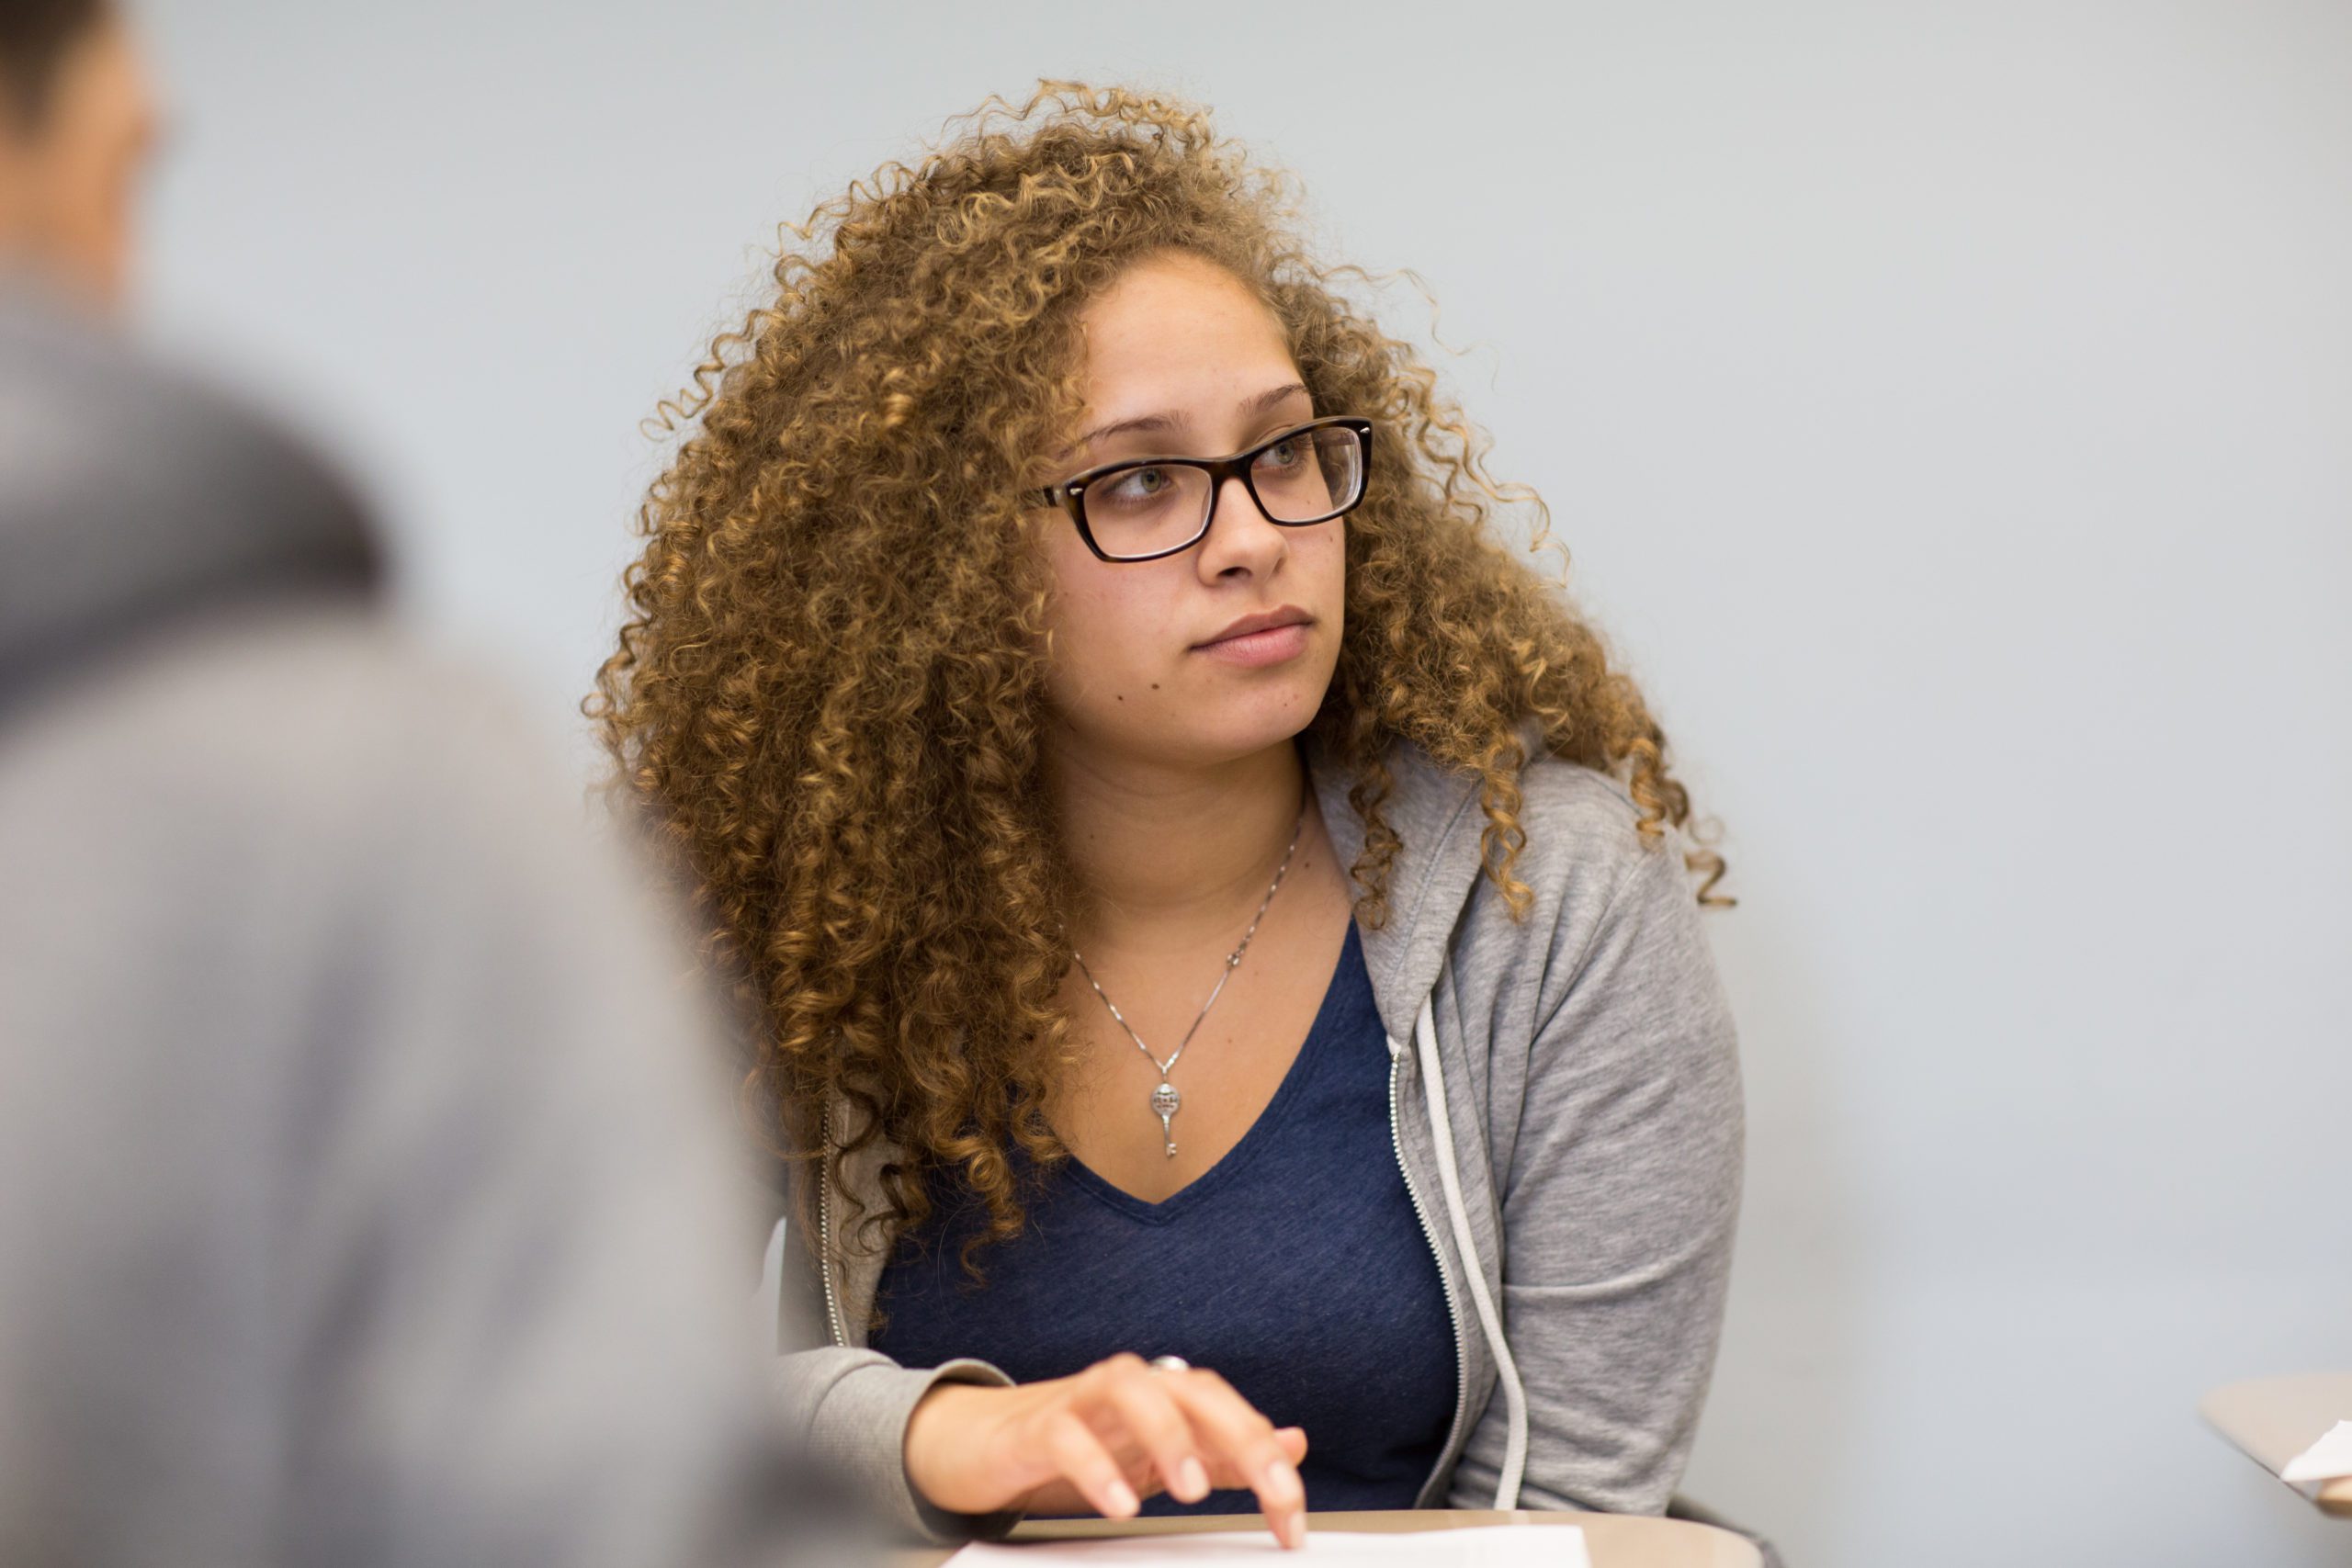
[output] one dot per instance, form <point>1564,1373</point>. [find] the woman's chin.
<point>1234,737</point>
<point>1204,717</point>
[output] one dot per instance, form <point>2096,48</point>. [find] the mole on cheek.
<point>1155,685</point>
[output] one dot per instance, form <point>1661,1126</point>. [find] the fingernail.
<point>1122,1498</point>
<point>1295,1530</point>
<point>1282,1481</point>
<point>1192,1481</point>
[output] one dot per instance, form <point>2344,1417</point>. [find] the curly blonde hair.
<point>828,697</point>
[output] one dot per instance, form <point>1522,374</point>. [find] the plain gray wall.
<point>1950,409</point>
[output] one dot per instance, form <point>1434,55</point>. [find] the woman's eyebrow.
<point>1174,419</point>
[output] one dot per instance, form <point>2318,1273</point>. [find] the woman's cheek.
<point>1103,677</point>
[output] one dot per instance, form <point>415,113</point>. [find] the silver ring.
<point>1170,1364</point>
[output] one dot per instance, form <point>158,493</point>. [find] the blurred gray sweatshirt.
<point>365,1189</point>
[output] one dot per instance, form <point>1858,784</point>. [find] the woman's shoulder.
<point>1568,797</point>
<point>1614,927</point>
<point>1576,793</point>
<point>1594,881</point>
<point>1579,826</point>
<point>1583,825</point>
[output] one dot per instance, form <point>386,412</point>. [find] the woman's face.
<point>1153,661</point>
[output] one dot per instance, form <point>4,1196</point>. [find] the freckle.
<point>1155,685</point>
<point>1117,698</point>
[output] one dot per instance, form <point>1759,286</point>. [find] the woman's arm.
<point>1620,1196</point>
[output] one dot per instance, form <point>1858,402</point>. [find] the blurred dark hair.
<point>34,36</point>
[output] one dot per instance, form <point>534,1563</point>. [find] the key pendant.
<point>1165,1102</point>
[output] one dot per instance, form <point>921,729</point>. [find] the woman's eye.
<point>1141,484</point>
<point>1282,455</point>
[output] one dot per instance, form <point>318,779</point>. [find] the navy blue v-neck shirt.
<point>1295,1266</point>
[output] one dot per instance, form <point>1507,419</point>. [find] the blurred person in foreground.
<point>344,1216</point>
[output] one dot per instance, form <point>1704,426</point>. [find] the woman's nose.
<point>1240,537</point>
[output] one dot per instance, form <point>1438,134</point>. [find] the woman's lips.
<point>1254,649</point>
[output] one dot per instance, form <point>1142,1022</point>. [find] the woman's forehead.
<point>1180,336</point>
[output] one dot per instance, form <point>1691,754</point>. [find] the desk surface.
<point>2273,1419</point>
<point>1613,1541</point>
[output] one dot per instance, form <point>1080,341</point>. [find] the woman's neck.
<point>1166,855</point>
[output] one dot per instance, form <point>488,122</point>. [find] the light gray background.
<point>1950,408</point>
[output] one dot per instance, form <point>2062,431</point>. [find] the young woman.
<point>1203,899</point>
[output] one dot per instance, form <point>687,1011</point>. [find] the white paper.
<point>1480,1546</point>
<point>2326,1460</point>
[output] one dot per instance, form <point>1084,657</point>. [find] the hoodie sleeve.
<point>853,1405</point>
<point>1619,1189</point>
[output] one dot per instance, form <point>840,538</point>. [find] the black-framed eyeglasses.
<point>1144,508</point>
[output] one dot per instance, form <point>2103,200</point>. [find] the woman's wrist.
<point>946,1412</point>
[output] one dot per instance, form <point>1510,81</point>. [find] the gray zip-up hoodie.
<point>1565,1101</point>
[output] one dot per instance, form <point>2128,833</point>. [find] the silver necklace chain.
<point>1165,1100</point>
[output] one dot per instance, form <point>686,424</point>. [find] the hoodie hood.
<point>132,499</point>
<point>1436,815</point>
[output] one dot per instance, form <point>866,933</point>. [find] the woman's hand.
<point>1105,1438</point>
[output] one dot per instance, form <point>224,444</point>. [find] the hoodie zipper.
<point>1445,1281</point>
<point>825,1226</point>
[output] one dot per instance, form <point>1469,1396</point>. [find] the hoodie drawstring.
<point>1458,1216</point>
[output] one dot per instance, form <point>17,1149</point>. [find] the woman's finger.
<point>1223,1474</point>
<point>1232,1430</point>
<point>1080,1455</point>
<point>1139,1401</point>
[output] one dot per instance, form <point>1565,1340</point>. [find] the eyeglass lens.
<point>1159,506</point>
